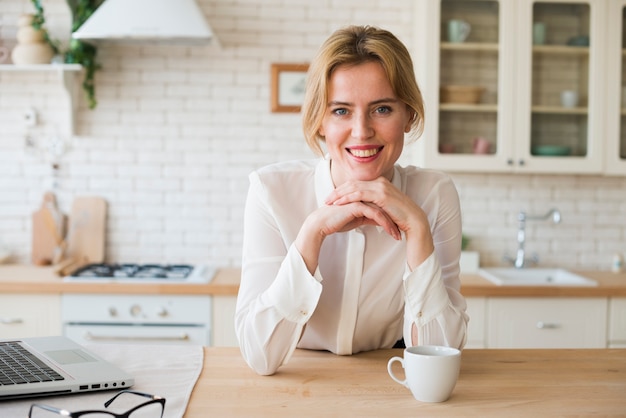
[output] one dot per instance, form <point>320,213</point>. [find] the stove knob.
<point>135,310</point>
<point>162,312</point>
<point>112,311</point>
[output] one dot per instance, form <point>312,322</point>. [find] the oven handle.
<point>10,321</point>
<point>93,337</point>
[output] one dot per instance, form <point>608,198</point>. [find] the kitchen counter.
<point>609,284</point>
<point>16,278</point>
<point>491,383</point>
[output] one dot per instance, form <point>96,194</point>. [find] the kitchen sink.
<point>534,277</point>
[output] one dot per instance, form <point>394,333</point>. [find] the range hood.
<point>168,21</point>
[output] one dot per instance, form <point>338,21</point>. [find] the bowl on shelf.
<point>551,150</point>
<point>460,94</point>
<point>581,40</point>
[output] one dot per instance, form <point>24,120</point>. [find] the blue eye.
<point>340,112</point>
<point>383,109</point>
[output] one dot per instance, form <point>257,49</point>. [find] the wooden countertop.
<point>31,279</point>
<point>491,383</point>
<point>17,278</point>
<point>609,284</point>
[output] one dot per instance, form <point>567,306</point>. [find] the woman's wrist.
<point>419,246</point>
<point>308,243</point>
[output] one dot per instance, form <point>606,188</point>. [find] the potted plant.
<point>470,260</point>
<point>78,52</point>
<point>38,23</point>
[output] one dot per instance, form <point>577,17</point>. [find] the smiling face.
<point>364,123</point>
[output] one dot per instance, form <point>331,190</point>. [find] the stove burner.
<point>135,271</point>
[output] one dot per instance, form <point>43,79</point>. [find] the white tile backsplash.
<point>178,128</point>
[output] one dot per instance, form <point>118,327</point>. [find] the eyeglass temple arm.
<point>145,395</point>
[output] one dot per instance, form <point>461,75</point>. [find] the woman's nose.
<point>362,126</point>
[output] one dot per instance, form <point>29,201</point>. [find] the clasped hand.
<point>376,202</point>
<point>357,203</point>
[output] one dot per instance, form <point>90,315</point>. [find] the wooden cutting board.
<point>86,237</point>
<point>48,232</point>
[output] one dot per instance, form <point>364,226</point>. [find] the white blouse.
<point>363,295</point>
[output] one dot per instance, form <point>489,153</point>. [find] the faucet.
<point>520,257</point>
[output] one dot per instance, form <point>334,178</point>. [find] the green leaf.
<point>79,52</point>
<point>465,240</point>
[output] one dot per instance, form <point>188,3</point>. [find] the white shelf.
<point>560,110</point>
<point>41,67</point>
<point>470,46</point>
<point>67,74</point>
<point>461,107</point>
<point>561,49</point>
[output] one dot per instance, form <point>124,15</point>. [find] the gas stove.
<point>143,273</point>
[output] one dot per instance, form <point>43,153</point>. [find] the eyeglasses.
<point>149,409</point>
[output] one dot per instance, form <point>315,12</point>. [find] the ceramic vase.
<point>31,46</point>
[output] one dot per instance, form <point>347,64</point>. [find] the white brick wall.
<point>178,129</point>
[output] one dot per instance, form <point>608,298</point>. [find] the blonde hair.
<point>355,45</point>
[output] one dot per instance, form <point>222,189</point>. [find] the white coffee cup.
<point>569,98</point>
<point>458,30</point>
<point>431,371</point>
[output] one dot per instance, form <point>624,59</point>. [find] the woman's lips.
<point>364,152</point>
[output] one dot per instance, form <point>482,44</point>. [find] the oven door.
<point>137,334</point>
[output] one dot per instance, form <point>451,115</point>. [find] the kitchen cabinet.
<point>67,75</point>
<point>224,321</point>
<point>518,123</point>
<point>29,315</point>
<point>476,309</point>
<point>547,323</point>
<point>617,323</point>
<point>616,88</point>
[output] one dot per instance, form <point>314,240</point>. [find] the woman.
<point>351,252</point>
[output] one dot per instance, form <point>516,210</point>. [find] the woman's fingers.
<point>381,193</point>
<point>374,215</point>
<point>342,218</point>
<point>353,191</point>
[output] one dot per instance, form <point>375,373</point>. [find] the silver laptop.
<point>45,366</point>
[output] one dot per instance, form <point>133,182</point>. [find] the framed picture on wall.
<point>287,87</point>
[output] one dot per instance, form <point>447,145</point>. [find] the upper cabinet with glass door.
<point>496,79</point>
<point>466,78</point>
<point>559,121</point>
<point>616,89</point>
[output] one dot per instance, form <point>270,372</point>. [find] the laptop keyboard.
<point>19,366</point>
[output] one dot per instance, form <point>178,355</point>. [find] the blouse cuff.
<point>295,292</point>
<point>426,296</point>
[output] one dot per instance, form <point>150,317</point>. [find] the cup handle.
<point>4,53</point>
<point>466,28</point>
<point>390,363</point>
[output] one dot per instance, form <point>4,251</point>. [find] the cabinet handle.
<point>521,162</point>
<point>509,161</point>
<point>11,321</point>
<point>548,325</point>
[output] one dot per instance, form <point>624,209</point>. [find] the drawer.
<point>547,323</point>
<point>26,315</point>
